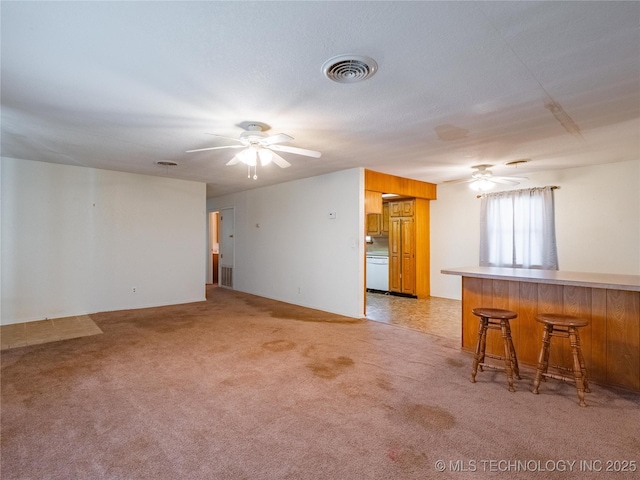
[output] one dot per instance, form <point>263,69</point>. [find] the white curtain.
<point>517,229</point>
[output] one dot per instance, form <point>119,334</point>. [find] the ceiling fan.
<point>482,179</point>
<point>258,147</point>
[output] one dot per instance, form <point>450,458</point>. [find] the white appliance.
<point>378,272</point>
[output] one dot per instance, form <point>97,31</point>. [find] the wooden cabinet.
<point>372,202</point>
<point>403,208</point>
<point>374,224</point>
<point>378,224</point>
<point>408,252</point>
<point>385,220</point>
<point>395,256</point>
<point>402,249</point>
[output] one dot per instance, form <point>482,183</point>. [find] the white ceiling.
<point>123,85</point>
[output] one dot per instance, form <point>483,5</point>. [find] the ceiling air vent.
<point>349,68</point>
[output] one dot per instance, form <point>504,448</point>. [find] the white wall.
<point>76,240</point>
<point>597,223</point>
<point>297,254</point>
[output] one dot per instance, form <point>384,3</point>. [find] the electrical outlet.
<point>134,290</point>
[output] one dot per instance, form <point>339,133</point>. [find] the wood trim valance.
<point>384,183</point>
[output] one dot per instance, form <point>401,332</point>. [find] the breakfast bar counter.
<point>610,302</point>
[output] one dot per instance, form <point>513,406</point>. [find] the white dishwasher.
<point>378,272</point>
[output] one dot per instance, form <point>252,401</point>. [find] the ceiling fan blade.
<point>503,181</point>
<point>235,160</point>
<point>278,160</point>
<point>297,151</point>
<point>214,148</point>
<point>279,138</point>
<point>518,179</point>
<point>454,182</point>
<point>224,136</point>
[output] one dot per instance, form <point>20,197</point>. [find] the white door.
<point>227,247</point>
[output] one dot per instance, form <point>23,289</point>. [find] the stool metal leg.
<point>577,370</point>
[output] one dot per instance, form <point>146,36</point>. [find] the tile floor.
<point>434,315</point>
<point>43,331</point>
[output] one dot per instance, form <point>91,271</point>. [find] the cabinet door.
<point>385,219</point>
<point>395,255</point>
<point>395,209</point>
<point>408,265</point>
<point>374,224</point>
<point>407,208</point>
<point>401,208</point>
<point>372,202</point>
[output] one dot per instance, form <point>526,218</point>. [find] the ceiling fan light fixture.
<point>349,68</point>
<point>265,156</point>
<point>248,156</point>
<point>481,185</point>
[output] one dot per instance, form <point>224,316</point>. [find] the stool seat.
<point>563,326</point>
<point>495,319</point>
<point>498,313</point>
<point>561,320</point>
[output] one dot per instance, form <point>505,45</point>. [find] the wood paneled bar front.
<point>611,304</point>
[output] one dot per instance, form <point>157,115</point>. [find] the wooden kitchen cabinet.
<point>378,224</point>
<point>408,252</point>
<point>402,250</point>
<point>385,220</point>
<point>372,202</point>
<point>374,224</point>
<point>395,256</point>
<point>402,208</point>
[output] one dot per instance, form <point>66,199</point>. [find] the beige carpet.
<point>240,387</point>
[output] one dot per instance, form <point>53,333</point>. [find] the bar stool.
<point>564,326</point>
<point>495,319</point>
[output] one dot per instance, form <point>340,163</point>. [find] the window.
<point>517,229</point>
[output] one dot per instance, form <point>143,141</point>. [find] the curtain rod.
<point>553,187</point>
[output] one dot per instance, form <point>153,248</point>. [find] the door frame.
<point>423,192</point>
